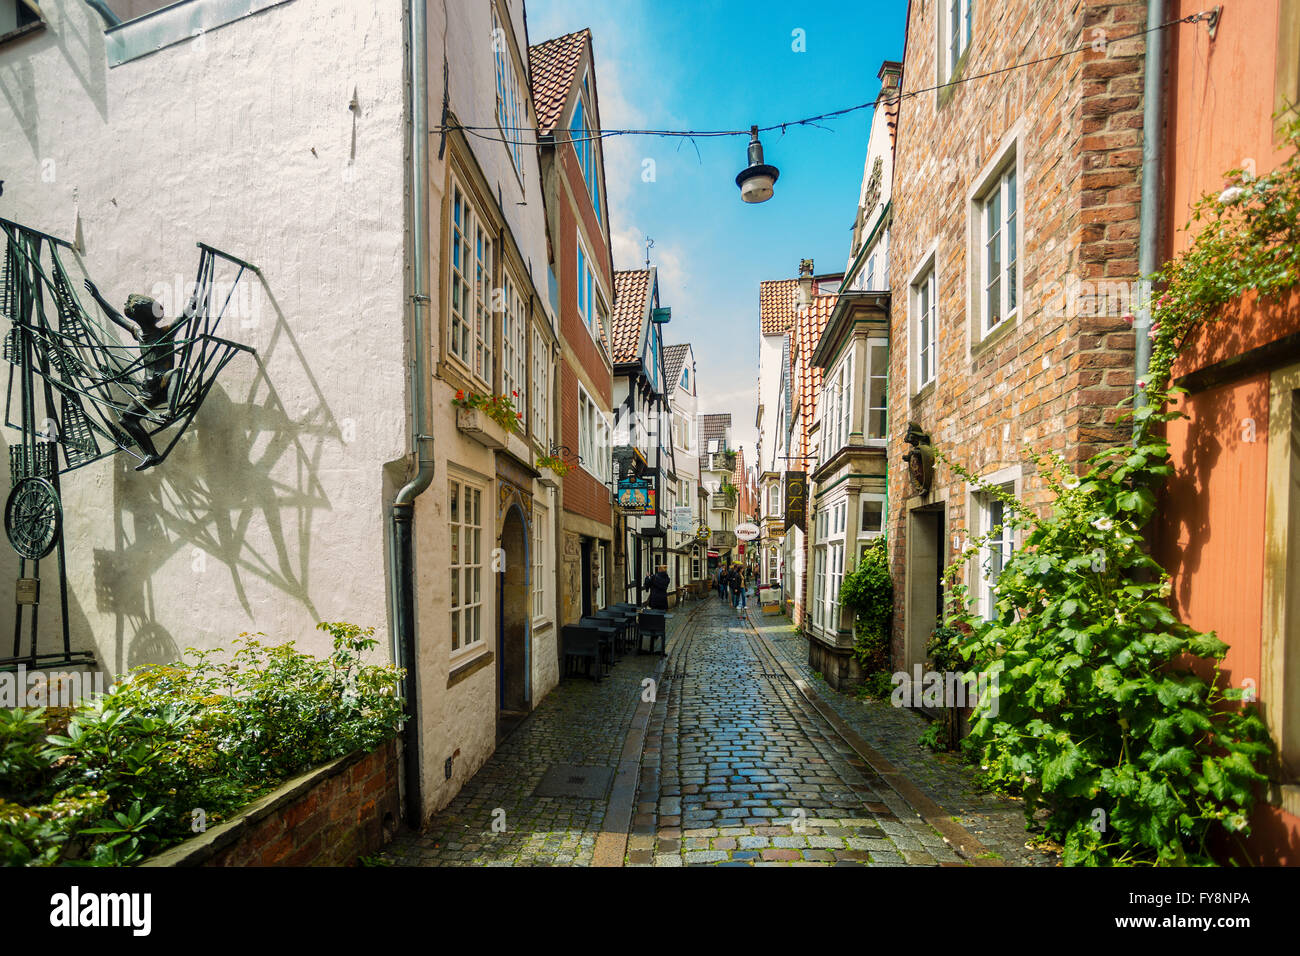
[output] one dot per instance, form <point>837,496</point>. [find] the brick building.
<point>1012,260</point>
<point>563,75</point>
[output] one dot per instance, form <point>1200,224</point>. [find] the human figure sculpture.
<point>144,319</point>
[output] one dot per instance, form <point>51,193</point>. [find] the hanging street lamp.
<point>756,179</point>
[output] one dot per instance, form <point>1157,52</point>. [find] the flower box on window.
<point>475,423</point>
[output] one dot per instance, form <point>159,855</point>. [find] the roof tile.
<point>552,67</point>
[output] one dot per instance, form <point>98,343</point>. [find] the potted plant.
<point>552,467</point>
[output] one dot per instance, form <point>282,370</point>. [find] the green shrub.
<point>210,734</point>
<point>868,591</point>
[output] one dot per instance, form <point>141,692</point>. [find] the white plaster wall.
<point>460,721</point>
<point>769,390</point>
<point>269,516</point>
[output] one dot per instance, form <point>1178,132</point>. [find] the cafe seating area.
<point>598,641</point>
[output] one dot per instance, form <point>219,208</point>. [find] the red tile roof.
<point>553,67</point>
<point>776,302</point>
<point>630,291</point>
<point>807,333</point>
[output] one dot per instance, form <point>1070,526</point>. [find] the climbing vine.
<point>1137,756</point>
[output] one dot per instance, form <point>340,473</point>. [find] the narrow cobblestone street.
<point>732,764</point>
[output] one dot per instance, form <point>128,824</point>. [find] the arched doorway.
<point>514,601</point>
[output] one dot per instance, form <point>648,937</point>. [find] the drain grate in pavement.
<point>581,783</point>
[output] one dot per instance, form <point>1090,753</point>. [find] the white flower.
<point>1231,195</point>
<point>1071,483</point>
<point>1103,524</point>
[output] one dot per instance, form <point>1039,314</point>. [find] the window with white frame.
<point>832,521</point>
<point>875,389</point>
<point>996,210</point>
<point>954,34</point>
<point>588,291</point>
<point>837,402</point>
<point>992,519</point>
<point>465,519</point>
<point>593,437</point>
<point>872,523</point>
<point>541,390</point>
<point>695,563</point>
<point>924,335</point>
<point>541,532</point>
<point>512,108</point>
<point>774,499</point>
<point>514,346</point>
<point>470,325</point>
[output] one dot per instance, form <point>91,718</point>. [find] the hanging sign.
<point>636,496</point>
<point>747,531</point>
<point>682,519</point>
<point>796,500</point>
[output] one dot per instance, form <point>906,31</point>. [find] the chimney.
<point>805,283</point>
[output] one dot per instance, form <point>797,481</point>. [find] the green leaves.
<point>213,733</point>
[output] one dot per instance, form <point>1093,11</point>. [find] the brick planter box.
<point>329,816</point>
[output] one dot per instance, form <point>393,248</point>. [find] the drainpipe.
<point>1153,90</point>
<point>402,581</point>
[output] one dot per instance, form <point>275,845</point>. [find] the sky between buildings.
<point>674,64</point>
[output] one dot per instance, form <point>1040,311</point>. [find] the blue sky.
<point>671,64</point>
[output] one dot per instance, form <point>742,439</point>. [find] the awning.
<point>714,554</point>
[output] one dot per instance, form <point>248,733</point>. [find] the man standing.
<point>738,590</point>
<point>722,581</point>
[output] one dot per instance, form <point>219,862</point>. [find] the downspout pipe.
<point>1153,91</point>
<point>402,580</point>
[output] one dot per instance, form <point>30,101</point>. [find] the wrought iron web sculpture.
<point>84,395</point>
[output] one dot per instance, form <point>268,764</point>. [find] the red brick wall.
<point>580,492</point>
<point>1049,383</point>
<point>342,818</point>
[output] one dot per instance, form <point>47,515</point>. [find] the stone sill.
<point>200,849</point>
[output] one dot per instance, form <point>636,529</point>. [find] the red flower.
<point>460,395</point>
<point>519,414</point>
<point>515,394</point>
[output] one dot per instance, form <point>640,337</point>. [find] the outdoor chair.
<point>625,621</point>
<point>608,632</point>
<point>581,643</point>
<point>652,624</point>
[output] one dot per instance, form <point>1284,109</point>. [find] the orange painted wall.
<point>1211,534</point>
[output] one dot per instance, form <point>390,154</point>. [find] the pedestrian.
<point>657,585</point>
<point>738,589</point>
<point>722,581</point>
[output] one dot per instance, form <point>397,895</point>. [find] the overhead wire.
<point>485,132</point>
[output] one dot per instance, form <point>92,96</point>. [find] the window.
<point>686,378</point>
<point>541,391</point>
<point>588,292</point>
<point>997,254</point>
<point>836,404</point>
<point>465,517</point>
<point>540,533</point>
<point>471,281</point>
<point>695,564</point>
<point>17,15</point>
<point>873,519</point>
<point>992,517</point>
<point>512,111</point>
<point>584,144</point>
<point>954,34</point>
<point>598,576</point>
<point>593,437</point>
<point>875,391</point>
<point>774,500</point>
<point>924,321</point>
<point>514,347</point>
<point>829,564</point>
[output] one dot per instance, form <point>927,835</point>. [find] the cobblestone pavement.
<point>738,769</point>
<point>996,821</point>
<point>580,723</point>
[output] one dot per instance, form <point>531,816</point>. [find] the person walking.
<point>657,585</point>
<point>722,578</point>
<point>738,589</point>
